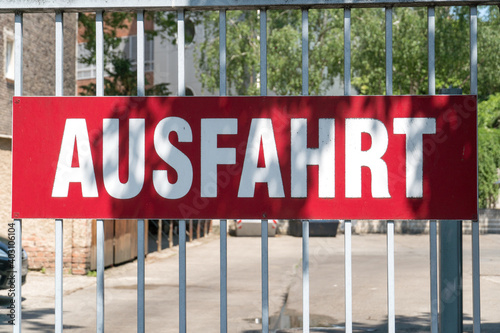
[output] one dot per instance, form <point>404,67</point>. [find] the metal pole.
<point>263,52</point>
<point>140,276</point>
<point>100,223</point>
<point>434,277</point>
<point>100,277</point>
<point>265,276</point>
<point>473,50</point>
<point>99,48</point>
<point>18,54</point>
<point>431,31</point>
<point>450,277</point>
<point>59,276</point>
<point>182,276</point>
<point>305,223</point>
<point>305,276</point>
<point>347,223</point>
<point>223,276</point>
<point>476,287</point>
<point>348,275</point>
<point>223,223</point>
<point>222,53</point>
<point>18,91</point>
<point>141,91</point>
<point>59,66</point>
<point>388,51</point>
<point>391,315</point>
<point>391,320</point>
<point>347,52</point>
<point>181,82</point>
<point>18,267</point>
<point>305,52</point>
<point>431,49</point>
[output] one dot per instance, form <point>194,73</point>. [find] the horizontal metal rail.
<point>124,5</point>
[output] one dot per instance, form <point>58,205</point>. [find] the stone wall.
<point>38,60</point>
<point>39,80</point>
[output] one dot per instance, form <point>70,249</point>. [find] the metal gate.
<point>60,6</point>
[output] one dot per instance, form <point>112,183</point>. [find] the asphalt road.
<point>244,297</point>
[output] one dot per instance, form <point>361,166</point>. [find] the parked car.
<point>6,263</point>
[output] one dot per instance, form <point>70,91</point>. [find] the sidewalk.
<point>285,286</point>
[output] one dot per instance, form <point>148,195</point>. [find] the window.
<point>84,71</point>
<point>8,55</point>
<point>128,46</point>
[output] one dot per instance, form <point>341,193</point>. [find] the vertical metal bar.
<point>181,80</point>
<point>391,320</point>
<point>223,223</point>
<point>222,53</point>
<point>18,225</point>
<point>434,276</point>
<point>347,223</point>
<point>18,267</point>
<point>264,223</point>
<point>99,49</point>
<point>391,316</point>
<point>263,52</point>
<point>347,52</point>
<point>305,52</point>
<point>450,277</point>
<point>18,54</point>
<point>100,277</point>
<point>265,276</point>
<point>59,54</point>
<point>100,223</point>
<point>473,50</point>
<point>305,223</point>
<point>59,67</point>
<point>182,276</point>
<point>476,287</point>
<point>140,54</point>
<point>59,277</point>
<point>305,276</point>
<point>348,275</point>
<point>388,51</point>
<point>223,276</point>
<point>431,49</point>
<point>140,276</point>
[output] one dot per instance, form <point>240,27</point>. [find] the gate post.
<point>450,277</point>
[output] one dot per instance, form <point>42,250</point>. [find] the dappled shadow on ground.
<point>407,324</point>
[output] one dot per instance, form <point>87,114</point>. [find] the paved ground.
<point>244,299</point>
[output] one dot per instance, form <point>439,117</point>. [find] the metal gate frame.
<point>98,6</point>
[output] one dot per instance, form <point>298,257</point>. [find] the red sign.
<point>371,157</point>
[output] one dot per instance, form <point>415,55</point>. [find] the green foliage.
<point>284,56</point>
<point>120,79</point>
<point>488,150</point>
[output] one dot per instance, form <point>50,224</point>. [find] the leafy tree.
<point>120,78</point>
<point>284,51</point>
<point>489,150</point>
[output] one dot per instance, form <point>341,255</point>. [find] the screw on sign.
<point>246,157</point>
